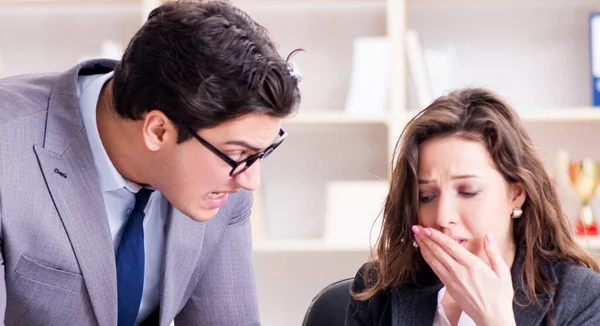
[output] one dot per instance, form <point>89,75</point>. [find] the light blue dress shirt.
<point>119,197</point>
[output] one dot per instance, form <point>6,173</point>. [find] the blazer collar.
<point>64,122</point>
<point>526,312</point>
<point>66,162</point>
<point>416,303</point>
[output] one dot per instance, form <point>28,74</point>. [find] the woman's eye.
<point>469,194</point>
<point>425,198</point>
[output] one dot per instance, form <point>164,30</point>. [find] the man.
<point>124,186</point>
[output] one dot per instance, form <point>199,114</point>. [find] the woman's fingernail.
<point>489,238</point>
<point>427,232</point>
<point>415,229</point>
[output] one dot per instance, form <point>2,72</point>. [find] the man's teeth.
<point>214,195</point>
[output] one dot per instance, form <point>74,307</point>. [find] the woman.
<point>473,231</point>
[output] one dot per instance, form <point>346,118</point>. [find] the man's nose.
<point>249,179</point>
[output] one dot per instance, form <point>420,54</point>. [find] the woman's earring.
<point>415,244</point>
<point>517,213</point>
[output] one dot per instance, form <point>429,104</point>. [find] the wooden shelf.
<point>561,115</point>
<point>317,245</point>
<point>69,1</point>
<point>20,7</point>
<point>498,2</point>
<point>592,243</point>
<point>334,118</point>
<point>575,114</point>
<point>51,2</point>
<point>305,245</point>
<point>279,4</point>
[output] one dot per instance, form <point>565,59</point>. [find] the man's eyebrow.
<point>243,144</point>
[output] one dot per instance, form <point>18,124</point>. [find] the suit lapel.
<point>526,312</point>
<point>183,245</point>
<point>66,163</point>
<point>414,305</point>
<point>79,203</point>
<point>531,314</point>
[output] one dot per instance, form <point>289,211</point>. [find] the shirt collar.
<point>89,88</point>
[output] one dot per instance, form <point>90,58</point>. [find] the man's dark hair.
<point>203,64</point>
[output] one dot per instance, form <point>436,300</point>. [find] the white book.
<point>353,212</point>
<point>443,71</point>
<point>417,67</point>
<point>595,57</point>
<point>368,87</point>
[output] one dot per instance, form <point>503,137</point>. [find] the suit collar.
<point>67,165</point>
<point>413,305</point>
<point>64,121</point>
<point>526,312</point>
<point>416,303</point>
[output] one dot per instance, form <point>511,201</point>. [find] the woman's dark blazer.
<point>576,300</point>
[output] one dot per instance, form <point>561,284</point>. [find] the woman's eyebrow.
<point>454,177</point>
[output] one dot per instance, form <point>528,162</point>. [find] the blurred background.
<point>368,66</point>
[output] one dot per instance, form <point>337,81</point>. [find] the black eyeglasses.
<point>241,166</point>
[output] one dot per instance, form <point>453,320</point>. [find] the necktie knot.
<point>141,200</point>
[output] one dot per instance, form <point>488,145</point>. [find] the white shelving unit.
<point>324,144</point>
<point>532,52</point>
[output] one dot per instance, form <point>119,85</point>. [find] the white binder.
<point>595,56</point>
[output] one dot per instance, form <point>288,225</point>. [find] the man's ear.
<point>157,130</point>
<point>517,194</point>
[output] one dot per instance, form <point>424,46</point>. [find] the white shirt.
<point>119,197</point>
<point>440,316</point>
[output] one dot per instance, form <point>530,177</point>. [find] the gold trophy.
<point>583,176</point>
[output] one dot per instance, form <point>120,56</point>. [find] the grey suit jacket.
<point>576,301</point>
<point>58,264</point>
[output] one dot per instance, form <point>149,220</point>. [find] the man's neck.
<point>116,135</point>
